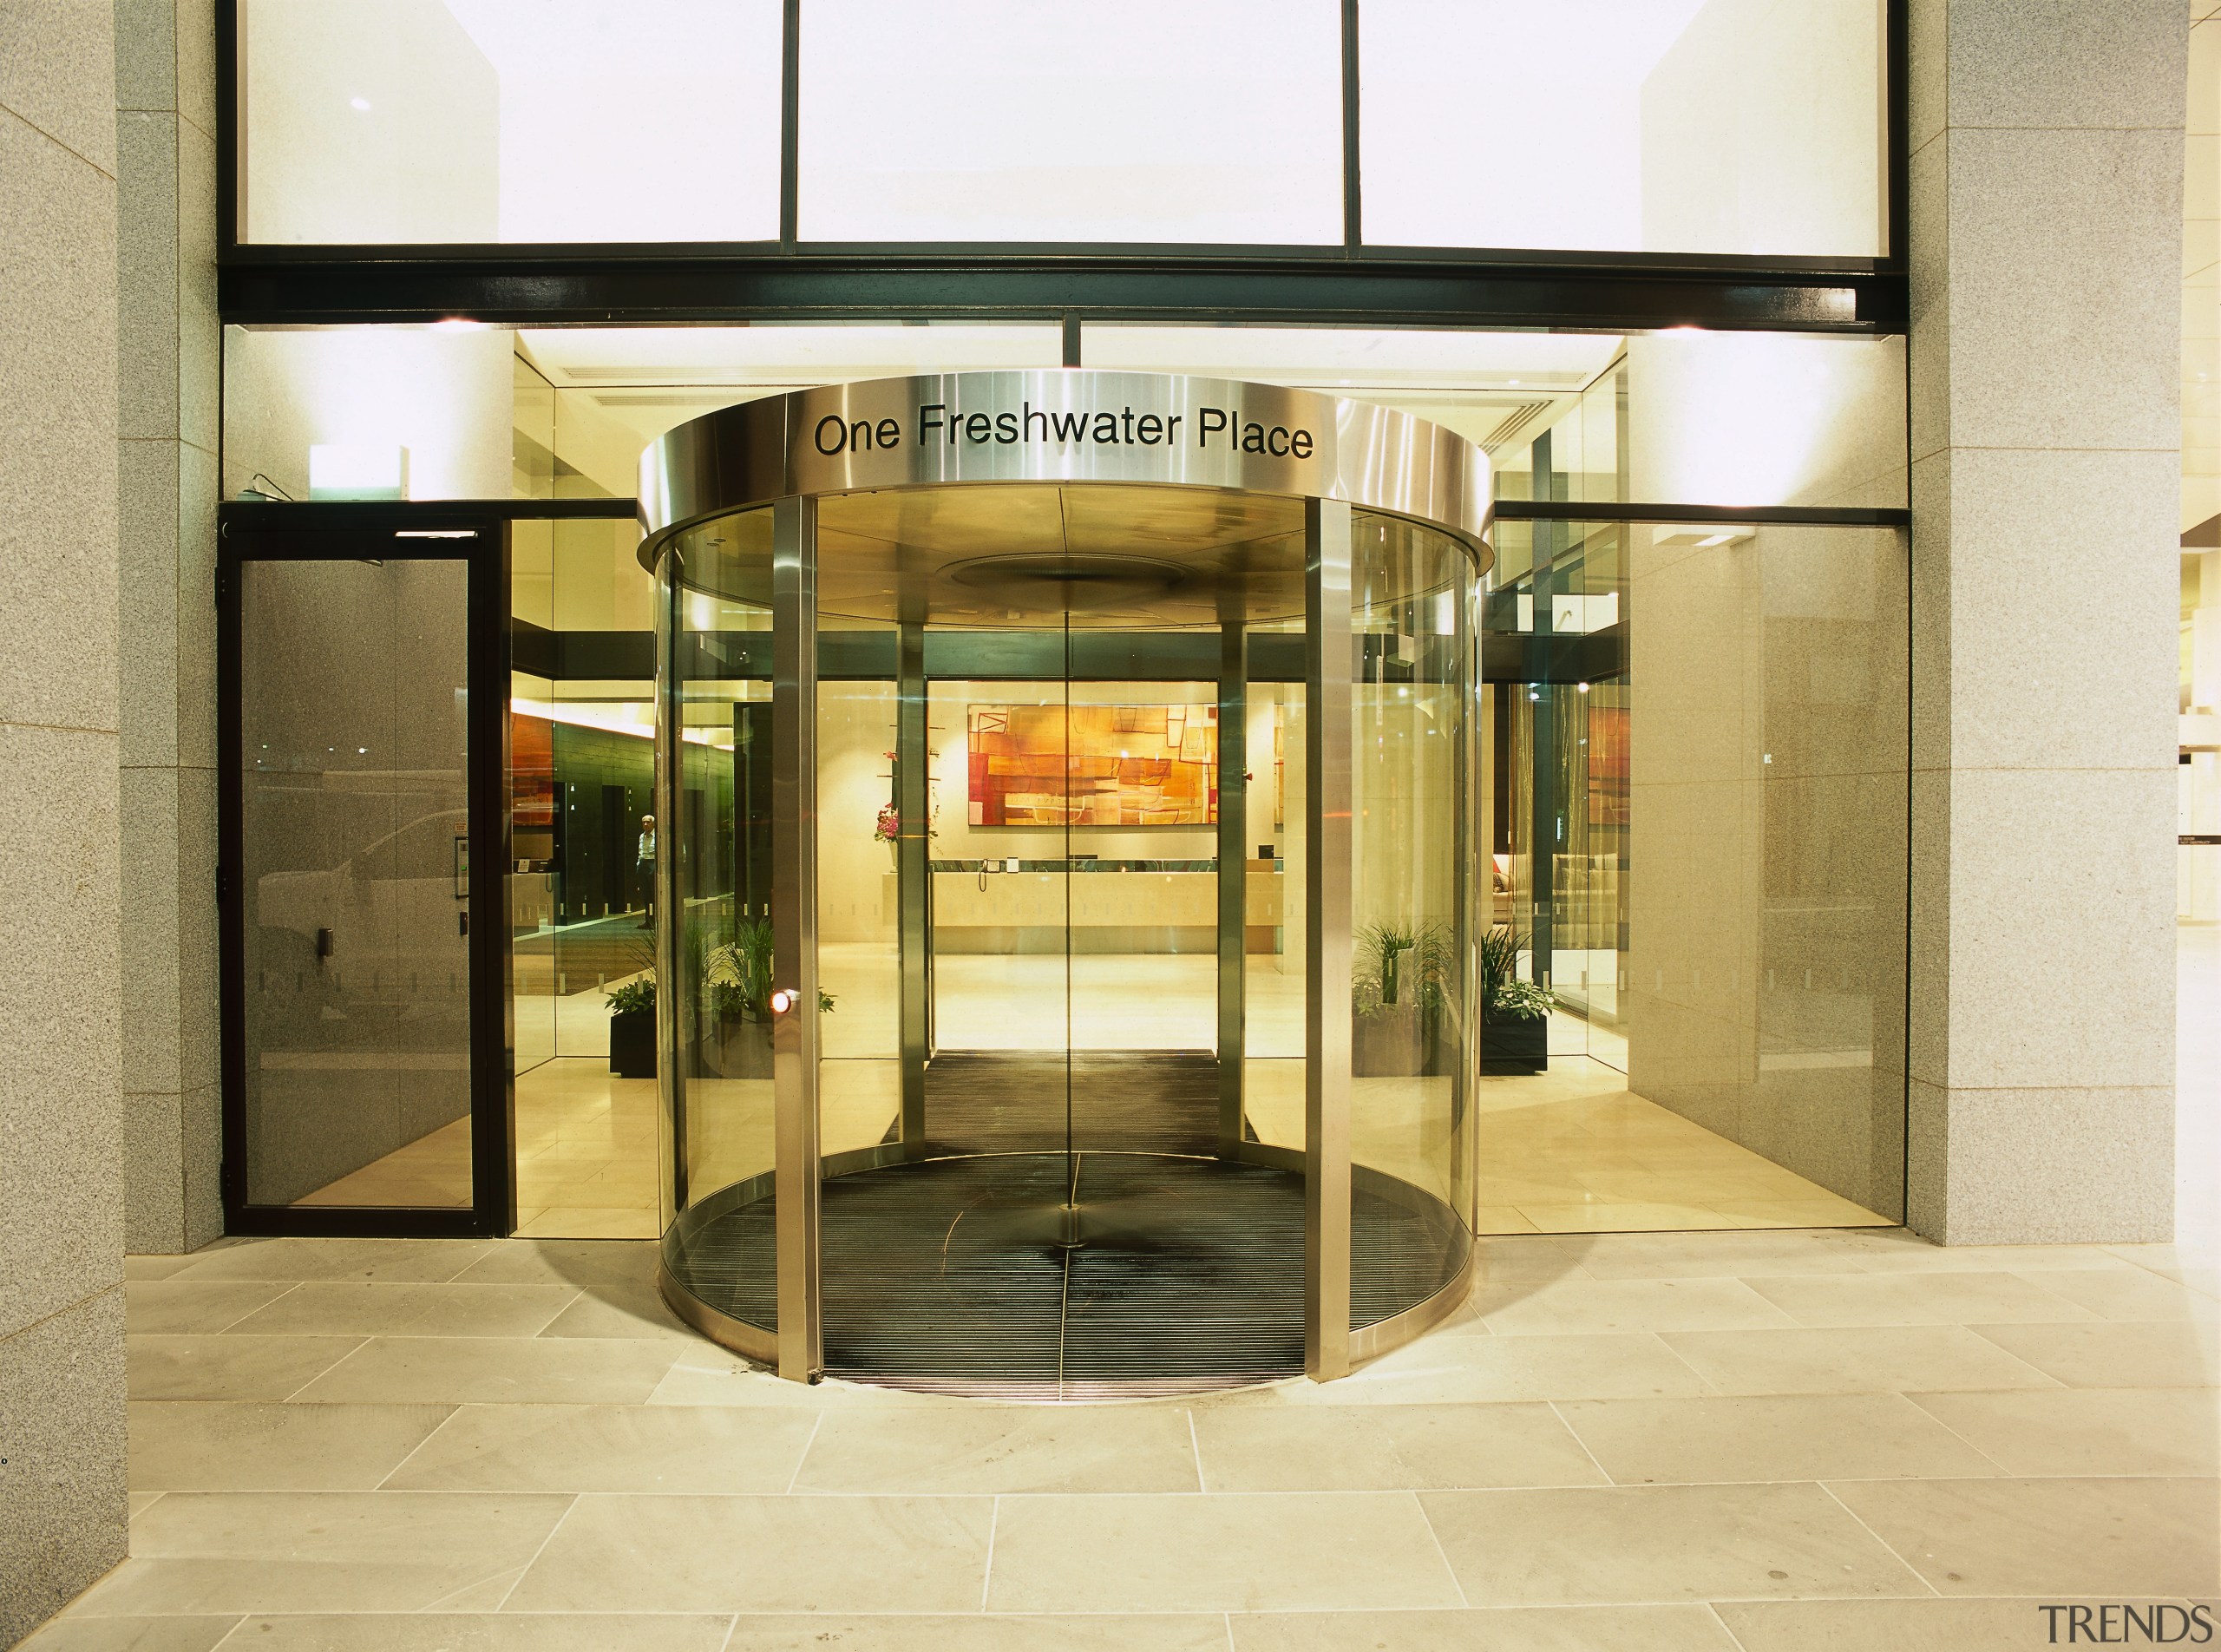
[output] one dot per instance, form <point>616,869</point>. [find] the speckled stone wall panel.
<point>2046,226</point>
<point>62,1418</point>
<point>169,347</point>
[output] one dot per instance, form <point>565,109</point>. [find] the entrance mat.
<point>954,1274</point>
<point>1115,1101</point>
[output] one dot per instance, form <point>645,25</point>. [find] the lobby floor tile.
<point>79,1634</point>
<point>1451,1369</point>
<point>1596,1305</point>
<point>2128,1292</point>
<point>2053,1539</point>
<point>1657,1543</point>
<point>2116,1355</point>
<point>1158,1632</point>
<point>229,1368</point>
<point>606,1448</point>
<point>1531,1628</point>
<point>1230,1552</point>
<point>489,1632</point>
<point>1388,1448</point>
<point>377,1309</point>
<point>458,1370</point>
<point>784,1554</point>
<point>1007,1449</point>
<point>2086,1431</point>
<point>1919,1298</point>
<point>201,1552</point>
<point>204,1445</point>
<point>405,1261</point>
<point>1867,1359</point>
<point>1775,1436</point>
<point>190,1307</point>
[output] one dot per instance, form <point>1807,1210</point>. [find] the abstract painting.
<point>1093,765</point>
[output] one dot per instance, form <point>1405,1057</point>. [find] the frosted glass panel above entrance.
<point>393,121</point>
<point>1003,120</point>
<point>1663,126</point>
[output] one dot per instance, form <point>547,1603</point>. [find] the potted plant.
<point>632,1026</point>
<point>737,973</point>
<point>1401,993</point>
<point>1515,1013</point>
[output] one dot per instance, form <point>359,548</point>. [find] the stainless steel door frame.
<point>1329,657</point>
<point>797,1172</point>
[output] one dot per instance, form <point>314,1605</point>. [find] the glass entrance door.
<point>362,890</point>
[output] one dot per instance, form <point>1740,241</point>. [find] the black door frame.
<point>477,533</point>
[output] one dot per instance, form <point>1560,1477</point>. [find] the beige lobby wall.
<point>62,1500</point>
<point>1766,962</point>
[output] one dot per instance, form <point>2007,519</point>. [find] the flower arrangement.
<point>888,826</point>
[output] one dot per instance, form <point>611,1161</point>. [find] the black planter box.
<point>1516,1046</point>
<point>632,1044</point>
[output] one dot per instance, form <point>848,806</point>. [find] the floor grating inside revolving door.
<point>952,1274</point>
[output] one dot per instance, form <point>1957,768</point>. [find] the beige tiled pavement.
<point>1731,1442</point>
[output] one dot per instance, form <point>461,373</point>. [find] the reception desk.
<point>1114,908</point>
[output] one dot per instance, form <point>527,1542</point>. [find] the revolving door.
<point>1065,938</point>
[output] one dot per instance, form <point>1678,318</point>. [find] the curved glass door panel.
<point>713,913</point>
<point>1412,1021</point>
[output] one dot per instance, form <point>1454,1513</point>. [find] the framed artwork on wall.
<point>1092,765</point>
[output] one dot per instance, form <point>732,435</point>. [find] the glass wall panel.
<point>1696,808</point>
<point>456,410</point>
<point>441,412</point>
<point>1683,415</point>
<point>582,779</point>
<point>1001,121</point>
<point>354,822</point>
<point>859,900</point>
<point>1663,126</point>
<point>1275,960</point>
<point>388,122</point>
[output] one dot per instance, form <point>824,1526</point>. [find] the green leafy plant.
<point>1499,960</point>
<point>1401,962</point>
<point>632,997</point>
<point>1520,1000</point>
<point>1505,997</point>
<point>738,971</point>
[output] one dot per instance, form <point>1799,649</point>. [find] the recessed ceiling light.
<point>361,103</point>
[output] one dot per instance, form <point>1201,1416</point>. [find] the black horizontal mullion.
<point>1318,288</point>
<point>1561,510</point>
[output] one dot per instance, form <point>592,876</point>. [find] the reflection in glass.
<point>355,830</point>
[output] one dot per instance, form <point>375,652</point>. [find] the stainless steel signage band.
<point>1068,424</point>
